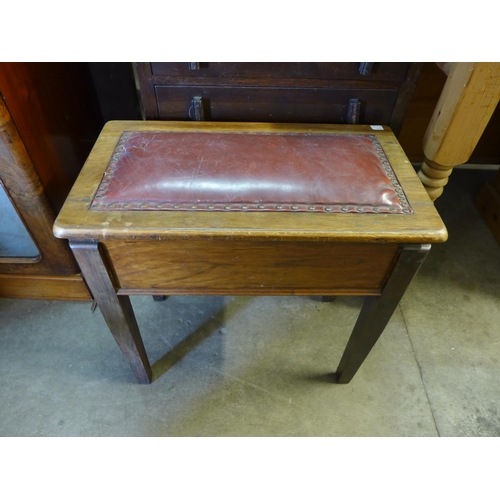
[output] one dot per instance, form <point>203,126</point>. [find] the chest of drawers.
<point>339,93</point>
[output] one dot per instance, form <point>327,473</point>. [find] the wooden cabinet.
<point>49,120</point>
<point>298,70</point>
<point>370,93</point>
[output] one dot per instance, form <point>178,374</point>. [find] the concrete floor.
<point>243,366</point>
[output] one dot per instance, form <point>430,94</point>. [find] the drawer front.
<point>269,104</point>
<point>228,267</point>
<point>339,71</point>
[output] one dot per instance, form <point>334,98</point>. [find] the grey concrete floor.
<point>256,366</point>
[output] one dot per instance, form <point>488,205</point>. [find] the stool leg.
<point>377,311</point>
<point>160,298</point>
<point>116,310</point>
<point>328,298</point>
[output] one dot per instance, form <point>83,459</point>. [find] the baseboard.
<point>17,286</point>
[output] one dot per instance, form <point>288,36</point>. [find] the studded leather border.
<point>98,204</point>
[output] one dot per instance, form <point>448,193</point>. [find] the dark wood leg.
<point>160,298</point>
<point>328,298</point>
<point>377,311</point>
<point>116,310</point>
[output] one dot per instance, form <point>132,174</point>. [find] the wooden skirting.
<point>18,286</point>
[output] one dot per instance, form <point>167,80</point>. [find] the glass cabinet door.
<point>15,241</point>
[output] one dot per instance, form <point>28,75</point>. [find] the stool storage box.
<point>208,208</point>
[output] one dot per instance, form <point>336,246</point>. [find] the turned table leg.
<point>116,310</point>
<point>468,99</point>
<point>434,177</point>
<point>377,311</point>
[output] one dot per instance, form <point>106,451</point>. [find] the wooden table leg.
<point>377,311</point>
<point>468,100</point>
<point>117,310</point>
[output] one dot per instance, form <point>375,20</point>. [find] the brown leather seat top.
<point>250,172</point>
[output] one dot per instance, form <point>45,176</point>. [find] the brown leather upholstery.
<point>250,171</point>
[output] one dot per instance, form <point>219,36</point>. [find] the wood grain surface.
<point>23,185</point>
<point>239,267</point>
<point>76,221</point>
<point>21,286</point>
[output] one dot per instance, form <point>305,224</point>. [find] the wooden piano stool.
<point>210,208</point>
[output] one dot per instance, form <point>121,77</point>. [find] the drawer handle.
<point>196,111</point>
<point>365,68</point>
<point>353,110</point>
<point>194,66</point>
